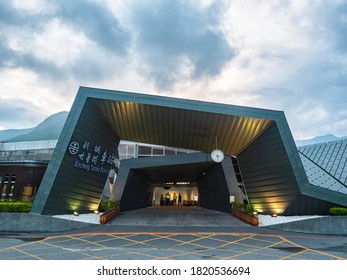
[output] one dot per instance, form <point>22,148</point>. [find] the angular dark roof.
<point>325,165</point>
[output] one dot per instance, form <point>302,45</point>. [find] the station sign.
<point>91,157</point>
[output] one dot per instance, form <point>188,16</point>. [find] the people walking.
<point>167,199</point>
<point>179,200</point>
<point>174,198</point>
<point>162,200</point>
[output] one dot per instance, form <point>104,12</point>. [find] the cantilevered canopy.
<point>99,119</point>
<point>176,127</point>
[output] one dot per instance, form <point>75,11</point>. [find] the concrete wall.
<point>309,206</point>
<point>268,175</point>
<point>23,222</point>
<point>330,225</point>
<point>213,190</point>
<point>137,192</point>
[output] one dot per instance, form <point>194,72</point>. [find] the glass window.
<point>122,157</point>
<point>158,151</point>
<point>170,152</point>
<point>4,190</point>
<point>145,151</point>
<point>11,190</point>
<point>131,149</point>
<point>27,192</point>
<point>13,178</point>
<point>122,149</point>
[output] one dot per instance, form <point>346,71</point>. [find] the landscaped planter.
<point>109,215</point>
<point>254,221</point>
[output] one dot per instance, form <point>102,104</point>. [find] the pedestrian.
<point>167,199</point>
<point>179,200</point>
<point>161,200</point>
<point>174,199</point>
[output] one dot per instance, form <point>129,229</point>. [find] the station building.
<point>212,153</point>
<point>22,166</point>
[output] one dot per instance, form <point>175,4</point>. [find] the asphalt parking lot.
<point>194,234</point>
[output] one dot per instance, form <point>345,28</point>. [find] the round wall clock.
<point>217,155</point>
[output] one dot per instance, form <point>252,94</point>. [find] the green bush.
<point>247,208</point>
<point>238,205</point>
<point>107,205</point>
<point>15,206</point>
<point>338,211</point>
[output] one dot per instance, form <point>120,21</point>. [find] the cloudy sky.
<point>282,55</point>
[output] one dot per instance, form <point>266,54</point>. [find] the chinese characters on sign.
<point>91,157</point>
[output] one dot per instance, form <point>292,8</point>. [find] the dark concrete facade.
<point>67,187</point>
<point>137,176</point>
<point>268,176</point>
<point>260,139</point>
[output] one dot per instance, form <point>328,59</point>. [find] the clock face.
<point>217,155</point>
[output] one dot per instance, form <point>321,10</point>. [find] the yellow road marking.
<point>28,254</point>
<point>313,250</point>
<point>176,252</point>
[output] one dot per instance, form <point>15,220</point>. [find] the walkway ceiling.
<point>176,173</point>
<point>180,128</point>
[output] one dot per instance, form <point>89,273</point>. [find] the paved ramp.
<point>177,217</point>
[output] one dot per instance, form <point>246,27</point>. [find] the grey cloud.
<point>10,16</point>
<point>10,20</point>
<point>329,24</point>
<point>97,22</point>
<point>336,23</point>
<point>90,18</point>
<point>19,113</point>
<point>6,55</point>
<point>13,59</point>
<point>170,32</point>
<point>6,13</point>
<point>318,88</point>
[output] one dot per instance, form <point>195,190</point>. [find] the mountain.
<point>318,139</point>
<point>49,129</point>
<point>11,133</point>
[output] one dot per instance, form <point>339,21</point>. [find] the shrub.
<point>107,205</point>
<point>338,211</point>
<point>247,208</point>
<point>15,206</point>
<point>238,205</point>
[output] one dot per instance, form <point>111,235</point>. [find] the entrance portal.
<point>200,181</point>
